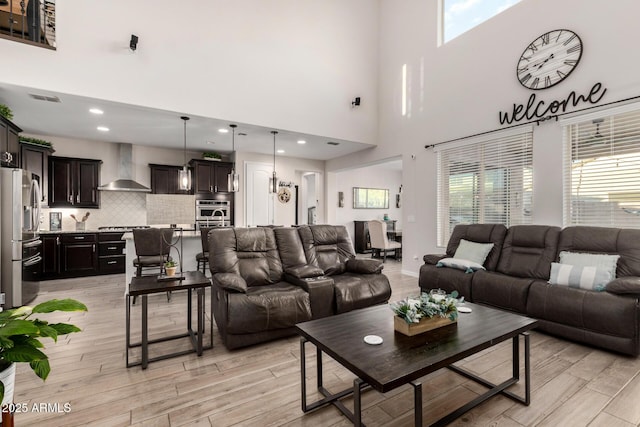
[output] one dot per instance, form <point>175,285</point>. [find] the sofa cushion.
<point>460,264</point>
<point>472,251</point>
<point>250,252</point>
<point>605,240</point>
<point>502,291</point>
<point>327,246</point>
<point>528,251</point>
<point>353,291</point>
<point>364,266</point>
<point>230,281</point>
<point>479,233</point>
<point>268,307</point>
<point>601,261</point>
<point>447,279</point>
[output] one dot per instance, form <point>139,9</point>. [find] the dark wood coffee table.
<point>403,360</point>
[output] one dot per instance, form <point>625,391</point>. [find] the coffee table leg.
<point>200,293</point>
<point>357,402</point>
<point>319,366</point>
<point>417,403</point>
<point>303,375</point>
<point>145,334</point>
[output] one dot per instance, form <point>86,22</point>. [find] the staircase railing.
<point>29,21</point>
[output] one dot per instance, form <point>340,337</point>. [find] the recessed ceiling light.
<point>103,128</point>
<point>280,151</point>
<point>223,130</point>
<point>96,111</point>
<point>210,142</point>
<point>302,141</point>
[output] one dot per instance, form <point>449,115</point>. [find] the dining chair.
<point>380,241</point>
<point>153,247</point>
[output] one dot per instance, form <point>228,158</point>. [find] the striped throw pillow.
<point>589,278</point>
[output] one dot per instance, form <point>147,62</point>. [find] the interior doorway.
<point>259,208</point>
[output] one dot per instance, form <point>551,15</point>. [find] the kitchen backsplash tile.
<point>116,208</point>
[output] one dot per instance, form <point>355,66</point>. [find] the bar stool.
<point>152,250</point>
<point>202,258</point>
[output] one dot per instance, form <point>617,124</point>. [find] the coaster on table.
<point>373,339</point>
<point>465,309</point>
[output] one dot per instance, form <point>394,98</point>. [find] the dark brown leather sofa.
<point>265,280</point>
<point>517,274</point>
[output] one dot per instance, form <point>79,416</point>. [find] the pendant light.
<point>233,179</point>
<point>184,176</point>
<point>273,181</point>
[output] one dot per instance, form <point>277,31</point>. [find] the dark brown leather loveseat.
<point>265,280</point>
<point>518,270</point>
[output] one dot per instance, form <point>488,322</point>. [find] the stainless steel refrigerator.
<point>20,244</point>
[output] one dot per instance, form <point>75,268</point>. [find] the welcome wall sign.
<point>545,62</point>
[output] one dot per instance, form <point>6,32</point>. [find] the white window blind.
<point>490,181</point>
<point>602,171</point>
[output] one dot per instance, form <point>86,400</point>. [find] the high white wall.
<point>458,89</point>
<point>285,64</point>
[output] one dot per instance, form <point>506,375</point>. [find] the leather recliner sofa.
<point>517,274</point>
<point>265,280</point>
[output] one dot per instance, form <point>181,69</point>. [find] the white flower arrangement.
<point>427,305</point>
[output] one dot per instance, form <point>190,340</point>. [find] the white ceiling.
<point>134,124</point>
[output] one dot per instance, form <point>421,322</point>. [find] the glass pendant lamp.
<point>273,181</point>
<point>184,175</point>
<point>233,179</point>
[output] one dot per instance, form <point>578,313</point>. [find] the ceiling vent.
<point>45,98</point>
<point>333,143</point>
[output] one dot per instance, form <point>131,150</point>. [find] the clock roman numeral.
<point>525,58</point>
<point>559,34</point>
<point>547,81</point>
<point>545,39</point>
<point>522,70</point>
<point>561,74</point>
<point>525,79</point>
<point>534,83</point>
<point>533,47</point>
<point>571,62</point>
<point>573,49</point>
<point>569,40</point>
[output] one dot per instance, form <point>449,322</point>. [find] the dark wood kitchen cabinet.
<point>210,177</point>
<point>111,253</point>
<point>164,179</point>
<point>35,159</point>
<point>78,254</point>
<point>50,256</point>
<point>74,182</point>
<point>9,143</point>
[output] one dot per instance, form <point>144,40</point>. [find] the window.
<point>462,15</point>
<point>370,198</point>
<point>602,170</point>
<point>485,181</point>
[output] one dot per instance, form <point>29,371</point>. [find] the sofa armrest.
<point>230,281</point>
<point>321,293</point>
<point>629,285</point>
<point>433,259</point>
<point>364,266</point>
<point>304,271</point>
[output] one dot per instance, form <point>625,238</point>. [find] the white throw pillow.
<point>589,278</point>
<point>473,251</point>
<point>460,264</point>
<point>602,261</point>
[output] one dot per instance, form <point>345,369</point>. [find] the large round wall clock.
<point>549,59</point>
<point>284,195</point>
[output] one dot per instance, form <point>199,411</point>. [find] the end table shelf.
<point>144,286</point>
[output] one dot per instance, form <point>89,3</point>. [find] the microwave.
<point>213,212</point>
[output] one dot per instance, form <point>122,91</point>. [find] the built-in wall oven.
<point>212,213</point>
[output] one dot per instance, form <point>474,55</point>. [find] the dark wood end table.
<point>144,286</point>
<point>403,360</point>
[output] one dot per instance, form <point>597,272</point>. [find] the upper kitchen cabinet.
<point>74,182</point>
<point>164,179</point>
<point>210,177</point>
<point>35,159</point>
<point>9,143</point>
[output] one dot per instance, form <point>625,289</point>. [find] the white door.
<point>259,202</point>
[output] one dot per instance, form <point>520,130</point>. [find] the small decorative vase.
<point>171,271</point>
<point>80,225</point>
<point>425,324</point>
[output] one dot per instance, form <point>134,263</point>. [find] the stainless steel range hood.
<point>125,173</point>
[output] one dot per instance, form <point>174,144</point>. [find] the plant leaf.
<point>19,327</point>
<point>1,391</point>
<point>23,353</point>
<point>41,368</point>
<point>49,331</point>
<point>64,328</point>
<point>59,305</point>
<point>5,342</point>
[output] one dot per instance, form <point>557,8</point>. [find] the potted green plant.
<point>211,156</point>
<point>170,268</point>
<point>6,112</point>
<point>19,340</point>
<point>35,141</point>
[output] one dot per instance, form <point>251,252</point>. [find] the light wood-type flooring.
<point>572,384</point>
